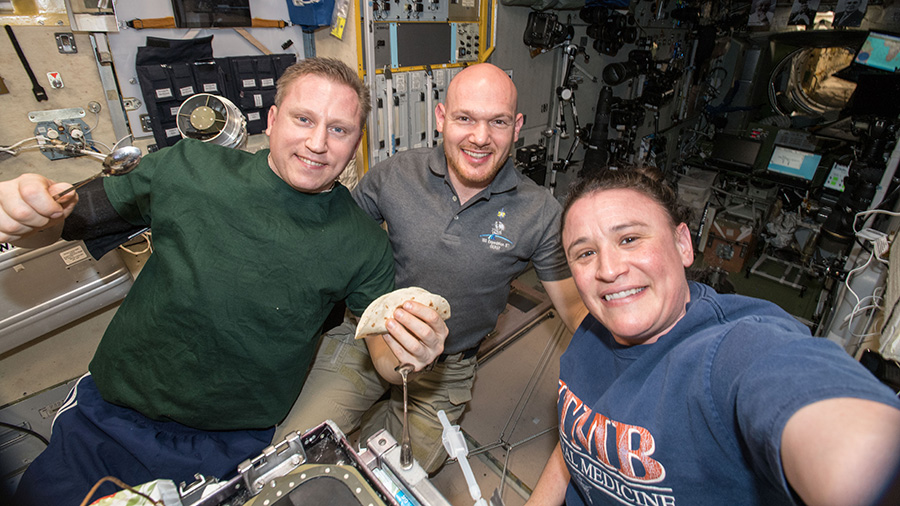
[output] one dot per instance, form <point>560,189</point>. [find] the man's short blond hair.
<point>329,68</point>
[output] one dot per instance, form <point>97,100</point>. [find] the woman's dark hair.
<point>646,180</point>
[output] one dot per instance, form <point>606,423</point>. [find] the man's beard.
<point>484,179</point>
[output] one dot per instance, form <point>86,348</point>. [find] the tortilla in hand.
<point>376,315</point>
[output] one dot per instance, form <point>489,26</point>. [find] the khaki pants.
<point>343,386</point>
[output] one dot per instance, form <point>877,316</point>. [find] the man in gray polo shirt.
<point>463,223</point>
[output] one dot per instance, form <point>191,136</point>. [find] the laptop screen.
<point>794,162</point>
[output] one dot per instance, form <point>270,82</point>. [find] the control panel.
<point>465,40</point>
<point>404,109</point>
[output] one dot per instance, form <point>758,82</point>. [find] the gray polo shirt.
<point>467,254</point>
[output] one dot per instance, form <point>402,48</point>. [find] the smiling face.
<point>479,124</point>
<point>314,133</point>
<point>628,265</point>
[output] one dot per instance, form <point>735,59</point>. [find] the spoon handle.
<point>76,186</point>
<point>406,459</point>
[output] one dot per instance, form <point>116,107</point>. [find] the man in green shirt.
<point>251,252</point>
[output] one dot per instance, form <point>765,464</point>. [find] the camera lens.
<point>617,73</point>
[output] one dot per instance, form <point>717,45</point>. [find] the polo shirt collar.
<point>505,180</point>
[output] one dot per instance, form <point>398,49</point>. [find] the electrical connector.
<point>871,235</point>
<point>882,246</point>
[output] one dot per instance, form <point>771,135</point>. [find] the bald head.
<point>483,78</point>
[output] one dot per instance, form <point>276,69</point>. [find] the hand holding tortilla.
<point>374,319</point>
<point>410,323</point>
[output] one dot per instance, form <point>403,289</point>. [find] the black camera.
<point>660,87</point>
<point>544,30</point>
<point>626,114</point>
<point>616,73</point>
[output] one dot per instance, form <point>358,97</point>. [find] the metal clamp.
<point>275,461</point>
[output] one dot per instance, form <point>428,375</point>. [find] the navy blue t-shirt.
<point>696,418</point>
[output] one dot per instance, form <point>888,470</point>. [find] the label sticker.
<point>72,255</point>
<point>249,83</point>
<point>210,87</point>
<point>164,93</point>
<point>187,90</point>
<point>56,81</point>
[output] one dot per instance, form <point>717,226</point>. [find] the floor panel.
<point>511,420</point>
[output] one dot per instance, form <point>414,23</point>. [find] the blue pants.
<point>92,438</point>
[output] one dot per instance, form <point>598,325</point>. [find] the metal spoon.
<point>121,161</point>
<point>406,460</point>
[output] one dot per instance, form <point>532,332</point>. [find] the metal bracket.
<point>131,103</point>
<point>146,124</point>
<point>65,42</point>
<point>275,461</point>
<point>103,56</point>
<point>56,114</point>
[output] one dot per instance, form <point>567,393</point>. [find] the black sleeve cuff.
<point>96,222</point>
